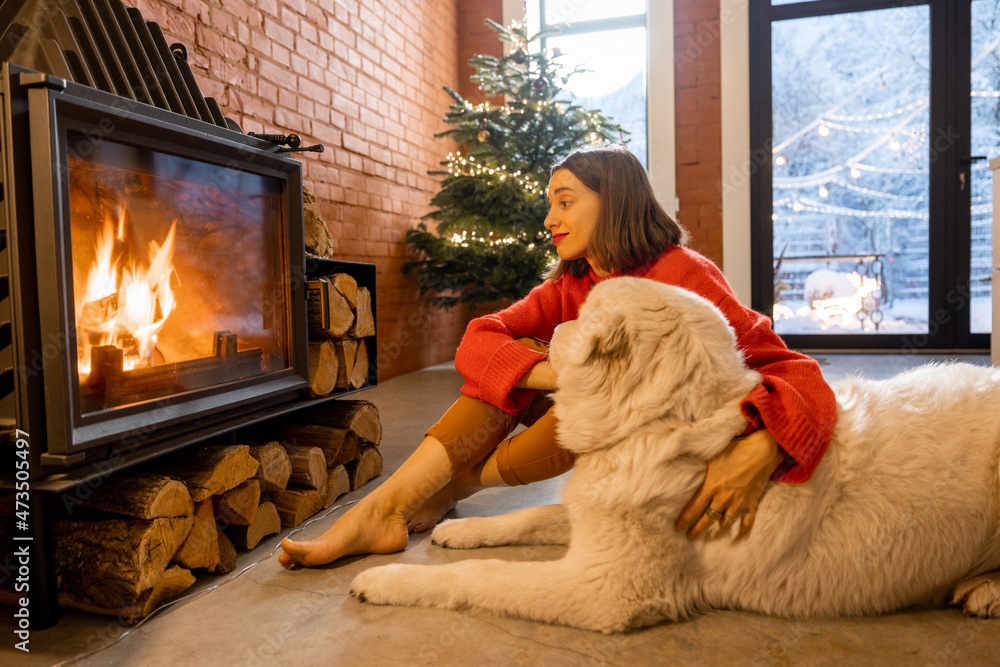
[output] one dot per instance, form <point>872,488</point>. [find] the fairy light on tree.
<point>490,243</point>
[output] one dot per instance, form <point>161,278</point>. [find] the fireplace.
<point>153,275</point>
<point>163,265</point>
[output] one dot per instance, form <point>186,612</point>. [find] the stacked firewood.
<point>340,318</point>
<point>133,543</point>
<point>335,449</point>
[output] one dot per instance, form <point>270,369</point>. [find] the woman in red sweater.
<point>605,221</point>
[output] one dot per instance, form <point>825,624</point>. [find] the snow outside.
<point>851,159</point>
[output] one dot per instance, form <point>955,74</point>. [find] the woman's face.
<point>573,213</point>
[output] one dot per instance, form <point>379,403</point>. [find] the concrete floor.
<point>261,614</point>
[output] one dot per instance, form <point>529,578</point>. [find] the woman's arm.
<point>733,485</point>
<point>793,405</point>
<point>541,376</point>
<point>492,358</point>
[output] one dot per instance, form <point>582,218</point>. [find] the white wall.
<point>734,38</point>
<point>660,102</point>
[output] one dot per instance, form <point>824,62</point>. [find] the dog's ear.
<point>605,337</point>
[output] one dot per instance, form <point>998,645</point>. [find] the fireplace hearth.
<point>162,262</point>
<point>152,267</point>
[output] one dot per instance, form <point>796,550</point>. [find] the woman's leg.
<point>466,434</point>
<point>530,456</point>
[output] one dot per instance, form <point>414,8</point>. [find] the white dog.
<point>904,508</point>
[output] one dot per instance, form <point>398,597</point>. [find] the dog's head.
<point>639,351</point>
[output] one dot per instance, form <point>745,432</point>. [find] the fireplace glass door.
<point>177,273</point>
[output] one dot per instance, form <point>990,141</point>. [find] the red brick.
<point>364,79</point>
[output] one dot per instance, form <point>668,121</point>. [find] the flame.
<point>126,306</point>
<point>846,308</point>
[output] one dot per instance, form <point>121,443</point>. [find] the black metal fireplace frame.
<point>36,219</point>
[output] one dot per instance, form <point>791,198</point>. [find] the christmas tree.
<point>491,243</point>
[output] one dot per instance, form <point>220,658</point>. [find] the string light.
<point>466,237</point>
<point>467,166</point>
<point>885,170</point>
<point>823,131</point>
<point>877,193</point>
<point>780,160</point>
<point>816,207</point>
<point>823,192</point>
<point>879,116</point>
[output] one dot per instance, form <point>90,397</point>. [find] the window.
<point>871,225</point>
<point>609,38</point>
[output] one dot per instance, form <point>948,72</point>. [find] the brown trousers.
<point>472,430</point>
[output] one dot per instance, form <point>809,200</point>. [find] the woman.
<point>605,221</point>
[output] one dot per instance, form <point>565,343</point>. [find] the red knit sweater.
<point>793,401</point>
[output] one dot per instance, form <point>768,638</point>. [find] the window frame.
<point>658,19</point>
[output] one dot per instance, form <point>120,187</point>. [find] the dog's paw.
<point>387,584</point>
<point>458,534</point>
<point>979,596</point>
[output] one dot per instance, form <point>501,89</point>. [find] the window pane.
<point>985,142</point>
<point>850,217</point>
<point>616,85</point>
<point>567,11</point>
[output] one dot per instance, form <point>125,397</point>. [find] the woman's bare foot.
<point>366,528</point>
<point>433,510</point>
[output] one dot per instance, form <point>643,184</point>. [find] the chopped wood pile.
<point>340,318</point>
<point>319,240</point>
<point>133,543</point>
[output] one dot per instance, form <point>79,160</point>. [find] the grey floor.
<point>262,614</point>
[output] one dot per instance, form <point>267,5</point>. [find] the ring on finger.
<point>713,515</point>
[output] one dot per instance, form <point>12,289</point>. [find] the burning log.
<point>238,507</point>
<point>358,416</point>
<point>339,445</point>
<point>338,483</point>
<point>267,523</point>
<point>210,471</point>
<point>140,495</point>
<point>275,469</point>
<point>201,547</point>
<point>365,467</point>
<point>324,367</point>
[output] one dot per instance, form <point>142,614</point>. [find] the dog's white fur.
<point>903,509</point>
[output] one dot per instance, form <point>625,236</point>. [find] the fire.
<point>124,304</point>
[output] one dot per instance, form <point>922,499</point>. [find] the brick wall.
<point>697,72</point>
<point>475,37</point>
<point>365,79</point>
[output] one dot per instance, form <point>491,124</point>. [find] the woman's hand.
<point>540,376</point>
<point>733,485</point>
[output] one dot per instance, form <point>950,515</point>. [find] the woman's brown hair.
<point>632,227</point>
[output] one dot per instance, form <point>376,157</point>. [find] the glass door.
<point>871,213</point>
<point>985,139</point>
